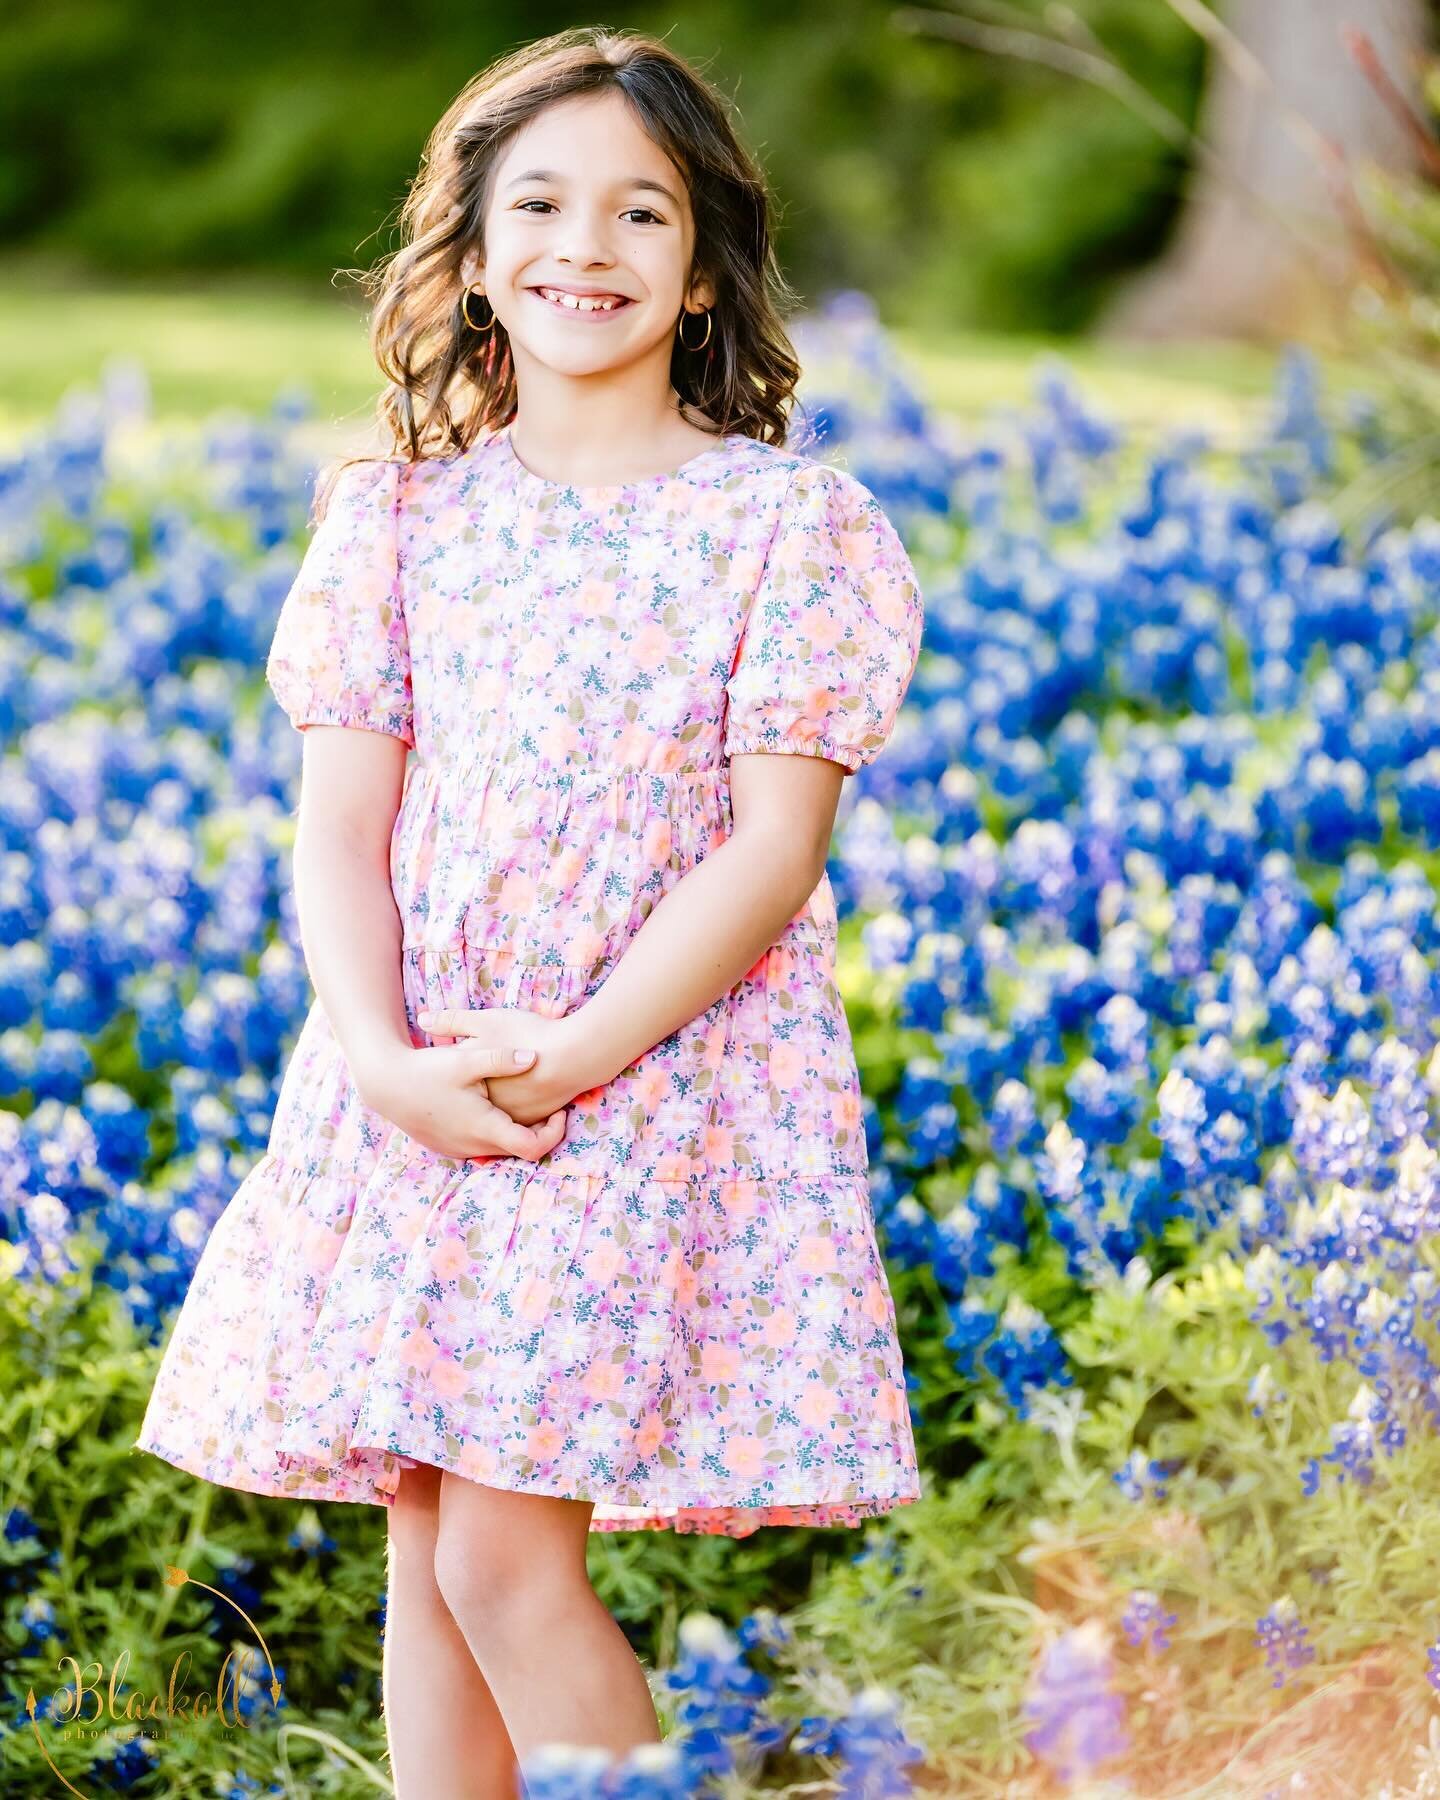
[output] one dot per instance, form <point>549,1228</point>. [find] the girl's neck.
<point>610,448</point>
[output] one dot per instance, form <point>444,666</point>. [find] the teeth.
<point>580,302</point>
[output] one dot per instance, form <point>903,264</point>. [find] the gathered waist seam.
<point>579,772</point>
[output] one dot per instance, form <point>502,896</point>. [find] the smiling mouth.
<point>588,305</point>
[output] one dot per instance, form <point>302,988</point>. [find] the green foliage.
<point>1394,324</point>
<point>953,184</point>
<point>1037,1536</point>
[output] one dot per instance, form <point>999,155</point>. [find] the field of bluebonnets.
<point>1139,944</point>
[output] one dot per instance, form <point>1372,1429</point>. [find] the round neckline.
<point>544,484</point>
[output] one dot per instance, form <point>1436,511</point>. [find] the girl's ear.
<point>469,268</point>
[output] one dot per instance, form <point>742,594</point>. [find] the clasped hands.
<point>470,1097</point>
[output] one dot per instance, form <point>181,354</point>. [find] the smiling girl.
<point>564,1222</point>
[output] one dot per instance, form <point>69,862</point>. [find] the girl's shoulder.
<point>800,474</point>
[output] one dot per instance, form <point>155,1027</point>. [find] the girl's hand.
<point>440,1098</point>
<point>560,1070</point>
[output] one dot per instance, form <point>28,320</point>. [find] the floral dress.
<point>679,1313</point>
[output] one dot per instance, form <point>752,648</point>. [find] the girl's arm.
<point>350,928</point>
<point>716,923</point>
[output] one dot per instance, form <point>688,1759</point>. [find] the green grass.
<point>1219,385</point>
<point>235,342</point>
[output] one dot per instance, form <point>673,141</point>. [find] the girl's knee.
<point>500,1559</point>
<point>412,1522</point>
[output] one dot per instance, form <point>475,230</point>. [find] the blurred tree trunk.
<point>1232,268</point>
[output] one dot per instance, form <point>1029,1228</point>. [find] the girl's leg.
<point>447,1739</point>
<point>512,1570</point>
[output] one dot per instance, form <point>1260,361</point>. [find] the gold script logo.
<point>91,1702</point>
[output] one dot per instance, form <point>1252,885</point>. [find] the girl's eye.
<point>525,206</point>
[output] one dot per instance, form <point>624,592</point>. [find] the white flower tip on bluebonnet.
<point>188,1227</point>
<point>1346,1205</point>
<point>549,1760</point>
<point>1375,1309</point>
<point>1415,1165</point>
<point>1360,1407</point>
<point>1090,1641</point>
<point>1137,1275</point>
<point>1333,1280</point>
<point>1263,1269</point>
<point>1285,1611</point>
<point>961,1221</point>
<point>1304,1223</point>
<point>1262,1386</point>
<point>1251,1206</point>
<point>993,943</point>
<point>308,1529</point>
<point>1432,1071</point>
<point>653,1759</point>
<point>874,1701</point>
<point>702,1634</point>
<point>1020,1316</point>
<point>47,1215</point>
<point>1348,1106</point>
<point>1067,1154</point>
<point>1179,1098</point>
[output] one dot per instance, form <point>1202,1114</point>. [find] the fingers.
<point>457,1022</point>
<point>511,1139</point>
<point>484,1059</point>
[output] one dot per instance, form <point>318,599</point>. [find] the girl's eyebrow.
<point>626,181</point>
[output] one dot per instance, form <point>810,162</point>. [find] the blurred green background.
<point>955,187</point>
<point>189,186</point>
<point>197,187</point>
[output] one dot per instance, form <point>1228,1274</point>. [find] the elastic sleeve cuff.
<point>785,743</point>
<point>318,713</point>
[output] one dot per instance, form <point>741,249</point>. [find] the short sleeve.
<point>833,633</point>
<point>341,653</point>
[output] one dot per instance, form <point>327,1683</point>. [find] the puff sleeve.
<point>341,654</point>
<point>833,633</point>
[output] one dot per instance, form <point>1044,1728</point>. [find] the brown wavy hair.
<point>447,381</point>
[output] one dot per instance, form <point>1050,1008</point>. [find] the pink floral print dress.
<point>680,1313</point>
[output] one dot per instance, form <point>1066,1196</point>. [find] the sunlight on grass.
<point>239,342</point>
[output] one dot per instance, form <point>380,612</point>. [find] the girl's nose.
<point>583,243</point>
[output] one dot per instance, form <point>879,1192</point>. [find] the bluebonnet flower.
<point>585,1772</point>
<point>722,1711</point>
<point>1146,1623</point>
<point>870,1744</point>
<point>1282,1637</point>
<point>1077,1717</point>
<point>1025,1354</point>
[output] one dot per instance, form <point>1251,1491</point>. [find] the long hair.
<point>447,381</point>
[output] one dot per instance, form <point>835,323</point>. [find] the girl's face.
<point>583,202</point>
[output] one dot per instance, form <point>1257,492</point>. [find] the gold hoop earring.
<point>681,332</point>
<point>465,310</point>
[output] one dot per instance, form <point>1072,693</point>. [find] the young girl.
<point>564,1223</point>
